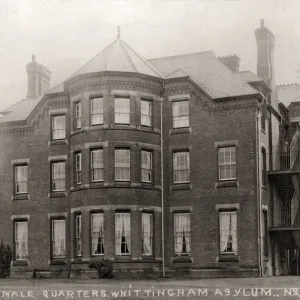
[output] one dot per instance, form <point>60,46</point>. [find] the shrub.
<point>5,260</point>
<point>104,267</point>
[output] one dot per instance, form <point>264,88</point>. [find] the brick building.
<point>162,166</point>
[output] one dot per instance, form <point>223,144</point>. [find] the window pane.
<point>58,238</point>
<point>21,179</point>
<point>147,233</point>
<point>146,166</point>
<point>21,240</point>
<point>58,127</point>
<point>97,225</point>
<point>181,167</point>
<point>180,110</point>
<point>97,111</point>
<point>122,234</point>
<point>146,113</point>
<point>122,110</point>
<point>227,163</point>
<point>97,165</point>
<point>122,165</point>
<point>58,176</point>
<point>228,232</point>
<point>78,236</point>
<point>182,233</point>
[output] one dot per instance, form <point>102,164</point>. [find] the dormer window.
<point>97,111</point>
<point>122,110</point>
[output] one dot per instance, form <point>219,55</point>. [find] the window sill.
<point>20,263</point>
<point>97,185</point>
<point>58,261</point>
<point>264,187</point>
<point>57,195</point>
<point>58,142</point>
<point>180,130</point>
<point>21,197</point>
<point>182,259</point>
<point>228,258</point>
<point>123,258</point>
<point>181,186</point>
<point>224,184</point>
<point>77,261</point>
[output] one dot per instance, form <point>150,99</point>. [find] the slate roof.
<point>118,56</point>
<point>204,68</point>
<point>213,76</point>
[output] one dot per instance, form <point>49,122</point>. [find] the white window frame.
<point>146,117</point>
<point>147,234</point>
<point>78,114</point>
<point>78,224</point>
<point>97,235</point>
<point>78,166</point>
<point>97,168</point>
<point>24,241</point>
<point>58,128</point>
<point>96,112</point>
<point>231,238</point>
<point>231,164</point>
<point>21,184</point>
<point>180,120</point>
<point>119,234</point>
<point>122,168</point>
<point>178,235</point>
<point>57,178</point>
<point>62,221</point>
<point>181,174</point>
<point>146,170</point>
<point>122,116</point>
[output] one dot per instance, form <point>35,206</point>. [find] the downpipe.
<point>259,216</point>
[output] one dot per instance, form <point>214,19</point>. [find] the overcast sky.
<point>64,34</point>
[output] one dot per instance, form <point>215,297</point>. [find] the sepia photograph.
<point>150,149</point>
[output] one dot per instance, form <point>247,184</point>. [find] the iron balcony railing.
<point>284,160</point>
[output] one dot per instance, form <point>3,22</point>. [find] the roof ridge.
<point>143,59</point>
<point>185,54</point>
<point>122,43</point>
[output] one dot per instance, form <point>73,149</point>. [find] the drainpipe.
<point>162,186</point>
<point>258,116</point>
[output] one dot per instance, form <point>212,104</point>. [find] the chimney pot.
<point>262,23</point>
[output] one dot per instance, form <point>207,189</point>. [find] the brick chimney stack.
<point>265,54</point>
<point>231,61</point>
<point>38,79</point>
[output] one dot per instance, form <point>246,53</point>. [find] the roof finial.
<point>119,31</point>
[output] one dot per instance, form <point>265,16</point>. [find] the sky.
<point>65,34</point>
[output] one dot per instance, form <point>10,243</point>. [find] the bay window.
<point>122,165</point>
<point>58,176</point>
<point>78,115</point>
<point>122,110</point>
<point>97,165</point>
<point>122,234</point>
<point>181,167</point>
<point>78,236</point>
<point>146,112</point>
<point>21,179</point>
<point>147,234</point>
<point>96,111</point>
<point>180,112</point>
<point>227,163</point>
<point>78,167</point>
<point>146,166</point>
<point>97,225</point>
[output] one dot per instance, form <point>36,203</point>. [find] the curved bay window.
<point>97,224</point>
<point>122,234</point>
<point>147,234</point>
<point>96,111</point>
<point>182,234</point>
<point>78,236</point>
